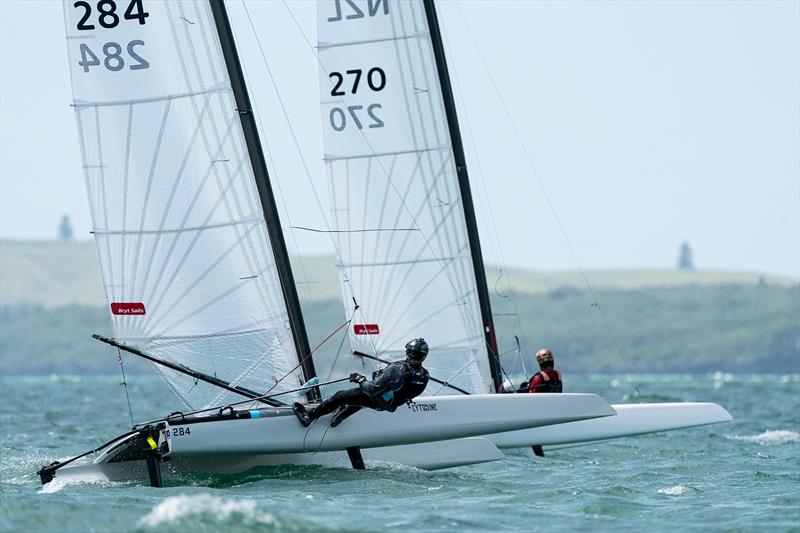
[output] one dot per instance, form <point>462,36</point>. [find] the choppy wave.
<point>177,508</point>
<point>676,490</point>
<point>780,436</point>
<point>54,486</point>
<point>681,478</point>
<point>650,398</point>
<point>59,483</point>
<point>391,465</point>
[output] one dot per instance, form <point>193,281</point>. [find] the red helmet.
<point>544,356</point>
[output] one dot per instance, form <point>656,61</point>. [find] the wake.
<point>780,436</point>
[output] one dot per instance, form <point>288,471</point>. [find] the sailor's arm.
<point>387,380</point>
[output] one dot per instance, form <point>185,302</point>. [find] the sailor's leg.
<point>343,397</point>
<point>350,397</point>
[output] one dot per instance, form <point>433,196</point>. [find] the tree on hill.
<point>65,229</point>
<point>685,257</point>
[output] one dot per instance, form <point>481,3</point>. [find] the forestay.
<point>184,252</point>
<point>397,213</point>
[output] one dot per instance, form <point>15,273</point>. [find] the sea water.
<point>740,476</point>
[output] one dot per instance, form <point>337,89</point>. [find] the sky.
<point>647,123</point>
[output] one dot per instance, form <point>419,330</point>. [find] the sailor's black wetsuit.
<point>390,387</point>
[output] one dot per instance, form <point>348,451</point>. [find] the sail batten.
<point>254,220</point>
<point>323,46</point>
<point>373,155</point>
<point>80,104</point>
<point>185,253</point>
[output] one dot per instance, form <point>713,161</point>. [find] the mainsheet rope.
<point>303,360</point>
<point>329,382</point>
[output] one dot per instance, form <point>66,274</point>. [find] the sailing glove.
<point>355,377</point>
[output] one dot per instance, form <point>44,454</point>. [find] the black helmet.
<point>417,350</point>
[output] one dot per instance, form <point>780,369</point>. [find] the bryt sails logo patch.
<point>127,308</point>
<point>366,329</point>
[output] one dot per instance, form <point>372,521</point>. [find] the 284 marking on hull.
<point>178,432</point>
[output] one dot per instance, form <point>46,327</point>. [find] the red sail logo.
<point>366,329</point>
<point>127,308</point>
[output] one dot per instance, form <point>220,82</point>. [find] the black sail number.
<point>358,116</point>
<point>86,14</point>
<point>336,84</point>
<point>376,74</point>
<point>376,80</point>
<point>107,13</point>
<point>111,55</point>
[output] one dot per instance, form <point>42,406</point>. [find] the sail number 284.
<point>105,13</point>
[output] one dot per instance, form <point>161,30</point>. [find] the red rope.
<point>303,360</point>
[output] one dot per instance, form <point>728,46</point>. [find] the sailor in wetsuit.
<point>548,379</point>
<point>390,387</point>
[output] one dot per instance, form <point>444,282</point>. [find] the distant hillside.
<point>52,274</point>
<point>664,321</point>
<point>49,273</point>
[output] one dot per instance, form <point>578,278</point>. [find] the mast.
<point>466,194</point>
<point>265,194</point>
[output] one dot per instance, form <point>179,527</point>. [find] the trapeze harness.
<point>416,379</point>
<point>548,382</point>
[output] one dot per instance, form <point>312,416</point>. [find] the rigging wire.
<point>496,242</point>
<point>125,384</point>
<point>277,182</point>
<point>529,159</point>
<point>295,140</point>
<point>345,275</point>
<point>267,394</point>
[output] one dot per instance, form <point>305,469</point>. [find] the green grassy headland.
<point>51,301</point>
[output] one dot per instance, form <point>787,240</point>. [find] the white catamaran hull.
<point>427,419</point>
<point>631,420</point>
<point>427,456</point>
<point>275,436</point>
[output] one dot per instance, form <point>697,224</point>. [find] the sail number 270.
<point>339,119</point>
<point>105,14</point>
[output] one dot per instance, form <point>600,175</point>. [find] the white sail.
<point>396,205</point>
<point>186,260</point>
